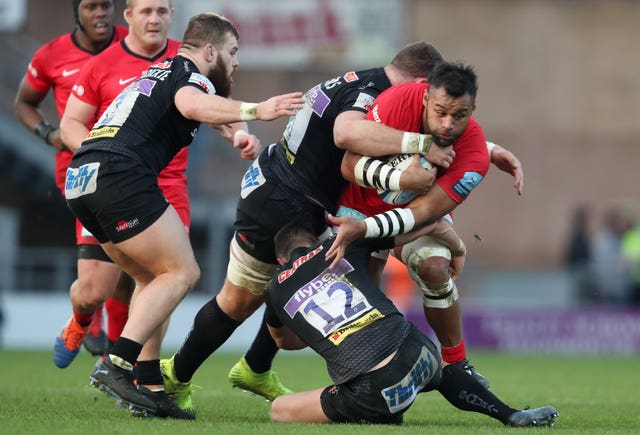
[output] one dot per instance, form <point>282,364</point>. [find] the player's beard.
<point>442,143</point>
<point>220,78</point>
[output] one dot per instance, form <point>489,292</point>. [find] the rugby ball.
<point>401,162</point>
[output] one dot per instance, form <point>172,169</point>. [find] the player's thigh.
<point>304,407</point>
<point>162,247</point>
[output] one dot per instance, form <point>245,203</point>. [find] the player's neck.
<point>141,49</point>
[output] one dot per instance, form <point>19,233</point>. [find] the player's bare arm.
<point>507,162</point>
<point>27,110</point>
<point>238,134</point>
<point>422,211</point>
<point>354,133</point>
<point>213,109</point>
<point>73,125</point>
<point>414,179</point>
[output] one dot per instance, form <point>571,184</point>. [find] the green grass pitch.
<point>594,395</point>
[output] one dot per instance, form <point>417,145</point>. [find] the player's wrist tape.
<point>43,130</point>
<point>460,252</point>
<point>415,143</point>
<point>239,133</point>
<point>390,223</point>
<point>370,172</point>
<point>490,147</point>
<point>248,111</point>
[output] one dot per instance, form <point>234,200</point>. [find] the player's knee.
<point>434,270</point>
<point>191,276</point>
<point>277,413</point>
<point>238,302</point>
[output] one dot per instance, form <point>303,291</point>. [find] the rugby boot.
<point>544,416</point>
<point>471,370</point>
<point>67,344</point>
<point>164,407</point>
<point>179,392</point>
<point>265,384</point>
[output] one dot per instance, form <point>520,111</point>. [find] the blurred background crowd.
<point>558,87</point>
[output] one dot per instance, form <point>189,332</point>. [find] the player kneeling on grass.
<point>376,358</point>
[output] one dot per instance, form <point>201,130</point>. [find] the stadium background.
<point>558,86</point>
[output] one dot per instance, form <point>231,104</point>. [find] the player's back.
<point>306,158</point>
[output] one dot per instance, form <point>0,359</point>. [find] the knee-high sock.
<point>464,392</point>
<point>211,328</point>
<point>262,351</point>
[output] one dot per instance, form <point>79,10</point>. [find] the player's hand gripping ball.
<point>401,162</point>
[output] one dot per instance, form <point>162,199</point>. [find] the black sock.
<point>464,392</point>
<point>148,372</point>
<point>211,328</point>
<point>262,351</point>
<point>126,349</point>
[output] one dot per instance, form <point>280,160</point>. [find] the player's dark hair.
<point>458,79</point>
<point>417,59</point>
<point>208,28</point>
<point>291,236</point>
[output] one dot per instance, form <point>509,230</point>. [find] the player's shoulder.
<point>406,90</point>
<point>58,45</point>
<point>119,33</point>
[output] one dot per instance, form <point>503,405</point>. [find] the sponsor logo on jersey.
<point>67,73</point>
<point>81,181</point>
<point>467,183</point>
<point>78,89</point>
<point>402,394</point>
<point>351,76</point>
<point>297,263</point>
<point>164,65</point>
<point>375,114</point>
<point>252,179</point>
<point>123,82</point>
<point>316,285</point>
<point>202,82</point>
<point>106,131</point>
<point>343,332</point>
<point>364,101</point>
<point>317,100</point>
<point>143,86</point>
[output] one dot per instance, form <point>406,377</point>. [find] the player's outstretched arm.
<point>506,161</point>
<point>213,109</point>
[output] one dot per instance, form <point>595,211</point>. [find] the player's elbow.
<point>343,134</point>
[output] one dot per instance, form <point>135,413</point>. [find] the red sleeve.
<point>37,73</point>
<point>470,165</point>
<point>87,87</point>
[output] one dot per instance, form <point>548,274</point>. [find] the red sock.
<point>453,354</point>
<point>117,315</point>
<point>83,319</point>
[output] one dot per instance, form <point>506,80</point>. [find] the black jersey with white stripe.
<point>340,313</point>
<point>306,158</point>
<point>143,121</point>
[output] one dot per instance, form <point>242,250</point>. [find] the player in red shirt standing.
<point>56,65</point>
<point>444,111</point>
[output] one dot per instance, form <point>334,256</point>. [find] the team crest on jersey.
<point>364,101</point>
<point>467,183</point>
<point>203,82</point>
<point>351,76</point>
